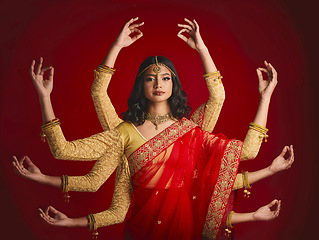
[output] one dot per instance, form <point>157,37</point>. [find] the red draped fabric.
<point>182,189</point>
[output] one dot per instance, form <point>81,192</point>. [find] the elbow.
<point>248,155</point>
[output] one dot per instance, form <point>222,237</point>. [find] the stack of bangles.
<point>259,129</point>
<point>92,226</point>
<point>246,184</point>
<point>48,125</point>
<point>228,224</point>
<point>65,187</point>
<point>106,69</point>
<point>215,75</point>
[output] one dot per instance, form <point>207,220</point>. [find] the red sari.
<point>182,181</point>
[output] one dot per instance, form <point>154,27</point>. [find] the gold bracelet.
<point>48,125</point>
<point>65,188</point>
<point>246,184</point>
<point>92,226</point>
<point>228,224</point>
<point>212,74</point>
<point>105,69</point>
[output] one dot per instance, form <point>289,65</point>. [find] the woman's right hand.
<point>32,172</point>
<point>43,86</point>
<point>59,219</point>
<point>124,39</point>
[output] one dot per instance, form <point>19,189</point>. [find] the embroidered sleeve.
<point>207,114</point>
<point>252,144</point>
<point>90,148</point>
<point>238,182</point>
<point>103,105</point>
<point>121,199</point>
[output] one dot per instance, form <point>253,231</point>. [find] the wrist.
<point>202,50</point>
<point>265,99</point>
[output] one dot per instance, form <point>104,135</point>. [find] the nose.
<point>158,83</point>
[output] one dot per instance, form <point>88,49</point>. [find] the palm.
<point>267,86</point>
<point>32,172</point>
<point>59,219</point>
<point>124,39</point>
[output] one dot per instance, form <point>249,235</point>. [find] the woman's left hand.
<point>280,163</point>
<point>266,87</point>
<point>194,40</point>
<point>265,213</point>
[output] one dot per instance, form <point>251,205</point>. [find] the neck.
<point>159,108</point>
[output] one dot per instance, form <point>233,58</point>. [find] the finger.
<point>130,21</point>
<point>28,161</point>
<point>185,26</point>
<point>259,74</point>
<point>51,74</point>
<point>45,69</point>
<point>272,203</point>
<point>190,23</point>
<point>137,36</point>
<point>181,36</point>
<point>38,70</point>
<point>21,160</point>
<point>47,210</point>
<point>284,151</point>
<point>32,68</point>
<point>274,72</point>
<point>53,210</point>
<point>196,25</point>
<point>136,25</point>
<point>264,70</point>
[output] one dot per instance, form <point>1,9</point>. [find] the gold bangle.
<point>259,129</point>
<point>48,125</point>
<point>212,74</point>
<point>65,188</point>
<point>246,184</point>
<point>92,226</point>
<point>105,69</point>
<point>228,224</point>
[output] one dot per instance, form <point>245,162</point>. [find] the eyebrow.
<point>154,75</point>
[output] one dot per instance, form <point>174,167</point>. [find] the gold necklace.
<point>158,119</point>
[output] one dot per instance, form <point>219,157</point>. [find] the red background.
<point>74,36</point>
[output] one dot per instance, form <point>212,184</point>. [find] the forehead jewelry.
<point>157,68</point>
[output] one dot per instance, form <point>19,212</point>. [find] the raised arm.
<point>257,129</point>
<point>103,105</point>
<point>207,114</point>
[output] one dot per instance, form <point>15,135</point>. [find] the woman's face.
<point>158,83</point>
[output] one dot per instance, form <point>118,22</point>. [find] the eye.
<point>149,79</point>
<point>166,78</point>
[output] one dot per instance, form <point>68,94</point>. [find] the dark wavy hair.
<point>138,103</point>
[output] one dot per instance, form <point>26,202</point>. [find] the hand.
<point>265,213</point>
<point>280,163</point>
<point>124,39</point>
<point>266,87</point>
<point>44,86</point>
<point>194,40</point>
<point>59,219</point>
<point>32,172</point>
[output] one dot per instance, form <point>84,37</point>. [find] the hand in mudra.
<point>266,214</point>
<point>124,38</point>
<point>267,86</point>
<point>31,171</point>
<point>44,86</point>
<point>59,219</point>
<point>194,40</point>
<point>281,163</point>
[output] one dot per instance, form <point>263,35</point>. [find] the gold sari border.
<point>153,147</point>
<point>222,190</point>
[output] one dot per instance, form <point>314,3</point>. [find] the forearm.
<point>254,177</point>
<point>111,56</point>
<point>242,217</point>
<point>47,109</point>
<point>78,222</point>
<point>262,112</point>
<point>207,60</point>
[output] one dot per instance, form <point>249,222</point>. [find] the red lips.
<point>158,93</point>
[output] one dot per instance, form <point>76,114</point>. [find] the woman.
<point>164,177</point>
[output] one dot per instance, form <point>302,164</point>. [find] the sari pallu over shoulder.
<point>192,173</point>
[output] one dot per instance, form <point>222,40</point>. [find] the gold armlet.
<point>259,129</point>
<point>48,125</point>
<point>246,184</point>
<point>65,188</point>
<point>92,226</point>
<point>228,224</point>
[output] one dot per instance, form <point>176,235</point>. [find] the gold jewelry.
<point>212,74</point>
<point>48,125</point>
<point>259,129</point>
<point>106,69</point>
<point>156,69</point>
<point>228,224</point>
<point>246,184</point>
<point>65,188</point>
<point>158,119</point>
<point>92,226</point>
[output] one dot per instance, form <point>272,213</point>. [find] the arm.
<point>280,163</point>
<point>104,108</point>
<point>254,136</point>
<point>206,115</point>
<point>262,214</point>
<point>115,214</point>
